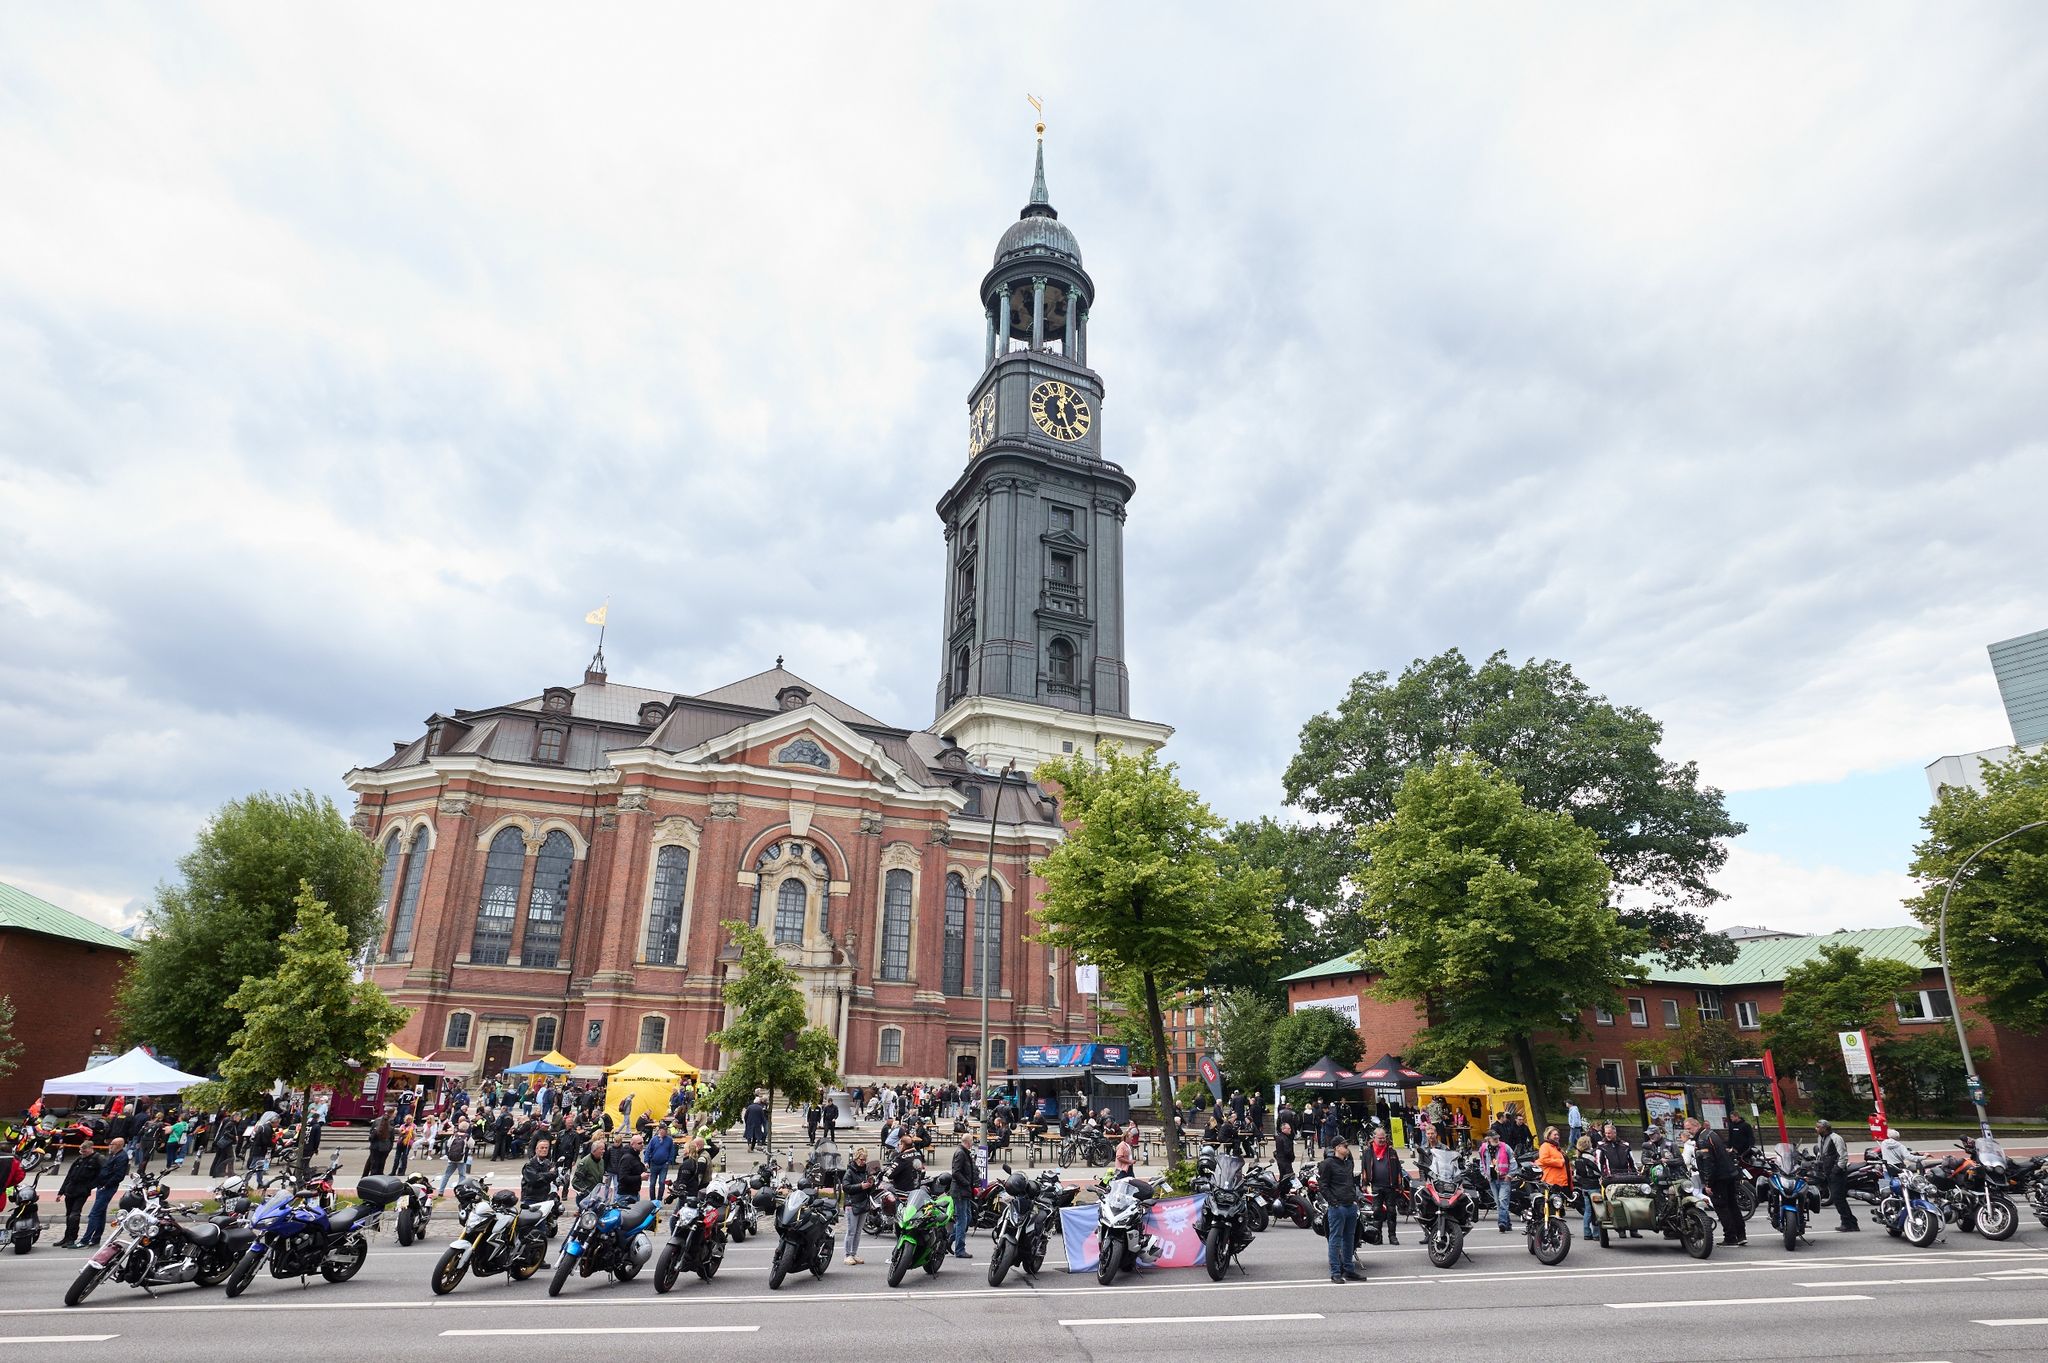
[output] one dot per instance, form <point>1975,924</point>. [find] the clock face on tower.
<point>981,424</point>
<point>1059,410</point>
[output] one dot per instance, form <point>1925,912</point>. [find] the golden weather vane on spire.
<point>1038,105</point>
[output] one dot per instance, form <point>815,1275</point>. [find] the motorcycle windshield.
<point>1443,1164</point>
<point>1229,1173</point>
<point>792,1207</point>
<point>1990,1153</point>
<point>917,1203</point>
<point>272,1210</point>
<point>1787,1158</point>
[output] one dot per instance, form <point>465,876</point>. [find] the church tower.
<point>1033,665</point>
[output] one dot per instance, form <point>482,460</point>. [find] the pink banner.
<point>1171,1222</point>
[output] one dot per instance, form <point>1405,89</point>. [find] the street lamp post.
<point>1955,1006</point>
<point>981,931</point>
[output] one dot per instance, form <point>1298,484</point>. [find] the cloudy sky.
<point>349,355</point>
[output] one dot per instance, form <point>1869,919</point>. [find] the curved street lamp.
<point>1955,1007</point>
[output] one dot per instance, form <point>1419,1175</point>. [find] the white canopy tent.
<point>138,1074</point>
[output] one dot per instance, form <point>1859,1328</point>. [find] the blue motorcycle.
<point>300,1232</point>
<point>1906,1201</point>
<point>607,1237</point>
<point>1793,1197</point>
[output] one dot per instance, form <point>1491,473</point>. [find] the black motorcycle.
<point>1224,1223</point>
<point>24,1217</point>
<point>1445,1208</point>
<point>415,1209</point>
<point>149,1248</point>
<point>696,1239</point>
<point>1262,1192</point>
<point>301,1232</point>
<point>804,1222</point>
<point>889,1197</point>
<point>495,1235</point>
<point>1024,1227</point>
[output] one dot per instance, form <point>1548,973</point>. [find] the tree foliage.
<point>1306,1036</point>
<point>10,1049</point>
<point>1145,888</point>
<point>769,1043</point>
<point>1699,1046</point>
<point>310,1022</point>
<point>1839,990</point>
<point>1244,1023</point>
<point>1998,916</point>
<point>1662,834</point>
<point>1493,913</point>
<point>225,920</point>
<point>1316,913</point>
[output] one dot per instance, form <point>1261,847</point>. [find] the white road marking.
<point>1189,1320</point>
<point>622,1330</point>
<point>56,1339</point>
<point>1724,1301</point>
<point>2018,1320</point>
<point>1892,1282</point>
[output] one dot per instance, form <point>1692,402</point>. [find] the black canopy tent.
<point>1388,1073</point>
<point>1326,1074</point>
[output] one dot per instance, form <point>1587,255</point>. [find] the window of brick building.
<point>1708,1002</point>
<point>1610,1077</point>
<point>891,1051</point>
<point>1746,1015</point>
<point>1604,1016</point>
<point>456,1038</point>
<point>544,1034</point>
<point>1638,1013</point>
<point>1671,1012</point>
<point>653,1033</point>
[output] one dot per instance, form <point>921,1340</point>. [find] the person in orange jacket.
<point>1550,1159</point>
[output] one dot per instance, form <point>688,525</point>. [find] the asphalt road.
<point>1865,1297</point>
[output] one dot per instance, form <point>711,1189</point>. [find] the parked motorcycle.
<point>1262,1194</point>
<point>606,1237</point>
<point>32,1145</point>
<point>741,1220</point>
<point>1445,1208</point>
<point>889,1198</point>
<point>415,1209</point>
<point>696,1239</point>
<point>1024,1228</point>
<point>924,1229</point>
<point>1976,1188</point>
<point>1548,1222</point>
<point>1907,1202</point>
<point>804,1224</point>
<point>495,1234</point>
<point>1224,1223</point>
<point>1793,1197</point>
<point>149,1248</point>
<point>1120,1237</point>
<point>24,1217</point>
<point>2030,1176</point>
<point>1297,1201</point>
<point>1667,1197</point>
<point>300,1232</point>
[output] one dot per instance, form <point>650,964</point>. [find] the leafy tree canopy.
<point>1839,990</point>
<point>1244,1023</point>
<point>1144,886</point>
<point>1662,834</point>
<point>10,1049</point>
<point>1998,916</point>
<point>769,1043</point>
<point>1493,913</point>
<point>1304,1037</point>
<point>1316,913</point>
<point>225,920</point>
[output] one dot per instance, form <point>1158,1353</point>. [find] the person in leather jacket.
<point>693,1170</point>
<point>1383,1175</point>
<point>537,1175</point>
<point>858,1188</point>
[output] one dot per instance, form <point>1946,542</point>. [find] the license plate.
<point>108,1252</point>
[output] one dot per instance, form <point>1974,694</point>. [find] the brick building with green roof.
<point>60,971</point>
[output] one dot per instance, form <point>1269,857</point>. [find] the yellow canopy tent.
<point>557,1058</point>
<point>1478,1095</point>
<point>669,1061</point>
<point>396,1052</point>
<point>647,1083</point>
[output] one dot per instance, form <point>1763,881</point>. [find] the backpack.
<point>457,1149</point>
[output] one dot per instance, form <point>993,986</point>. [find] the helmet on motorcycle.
<point>764,1199</point>
<point>1019,1185</point>
<point>941,1184</point>
<point>505,1199</point>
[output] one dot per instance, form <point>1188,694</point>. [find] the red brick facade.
<point>63,994</point>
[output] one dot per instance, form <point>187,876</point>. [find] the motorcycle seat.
<point>202,1232</point>
<point>381,1189</point>
<point>638,1212</point>
<point>348,1216</point>
<point>527,1219</point>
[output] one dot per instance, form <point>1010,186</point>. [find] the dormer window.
<point>434,741</point>
<point>548,745</point>
<point>557,700</point>
<point>792,698</point>
<point>653,713</point>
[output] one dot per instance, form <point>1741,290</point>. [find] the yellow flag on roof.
<point>596,617</point>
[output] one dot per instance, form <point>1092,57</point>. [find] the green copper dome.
<point>1038,230</point>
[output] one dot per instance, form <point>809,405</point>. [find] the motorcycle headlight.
<point>135,1224</point>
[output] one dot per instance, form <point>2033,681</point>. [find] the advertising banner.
<point>1346,1007</point>
<point>1054,1057</point>
<point>1171,1222</point>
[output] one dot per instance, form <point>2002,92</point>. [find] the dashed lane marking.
<point>1726,1301</point>
<point>1190,1320</point>
<point>620,1330</point>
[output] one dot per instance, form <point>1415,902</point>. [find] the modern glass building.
<point>2022,668</point>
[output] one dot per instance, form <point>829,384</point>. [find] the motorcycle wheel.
<point>243,1273</point>
<point>899,1262</point>
<point>709,1268</point>
<point>1299,1215</point>
<point>352,1252</point>
<point>626,1271</point>
<point>1215,1259</point>
<point>1603,1237</point>
<point>1319,1224</point>
<point>1552,1241</point>
<point>405,1226</point>
<point>871,1225</point>
<point>1259,1219</point>
<point>1696,1233</point>
<point>999,1262</point>
<point>89,1277</point>
<point>739,1231</point>
<point>1794,1225</point>
<point>822,1260</point>
<point>564,1266</point>
<point>214,1271</point>
<point>1922,1227</point>
<point>1034,1259</point>
<point>1112,1260</point>
<point>1446,1242</point>
<point>526,1265</point>
<point>667,1267</point>
<point>449,1271</point>
<point>1998,1220</point>
<point>1745,1198</point>
<point>785,1259</point>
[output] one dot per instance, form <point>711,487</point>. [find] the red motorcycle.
<point>1444,1208</point>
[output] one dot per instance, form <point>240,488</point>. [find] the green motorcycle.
<point>924,1230</point>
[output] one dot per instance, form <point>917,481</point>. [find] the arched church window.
<point>963,666</point>
<point>790,902</point>
<point>498,905</point>
<point>547,909</point>
<point>988,939</point>
<point>955,957</point>
<point>896,925</point>
<point>409,892</point>
<point>665,911</point>
<point>1059,657</point>
<point>393,850</point>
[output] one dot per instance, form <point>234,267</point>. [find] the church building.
<point>556,868</point>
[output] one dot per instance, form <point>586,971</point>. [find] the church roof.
<point>763,690</point>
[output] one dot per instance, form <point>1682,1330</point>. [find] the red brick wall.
<point>63,993</point>
<point>1383,1026</point>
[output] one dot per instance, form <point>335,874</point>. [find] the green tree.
<point>1490,912</point>
<point>1699,1046</point>
<point>1998,916</point>
<point>768,1044</point>
<point>1144,887</point>
<point>1244,1038</point>
<point>1662,834</point>
<point>1306,1036</point>
<point>10,1049</point>
<point>225,920</point>
<point>1839,990</point>
<point>1317,910</point>
<point>310,1023</point>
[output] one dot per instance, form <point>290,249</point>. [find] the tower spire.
<point>1038,194</point>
